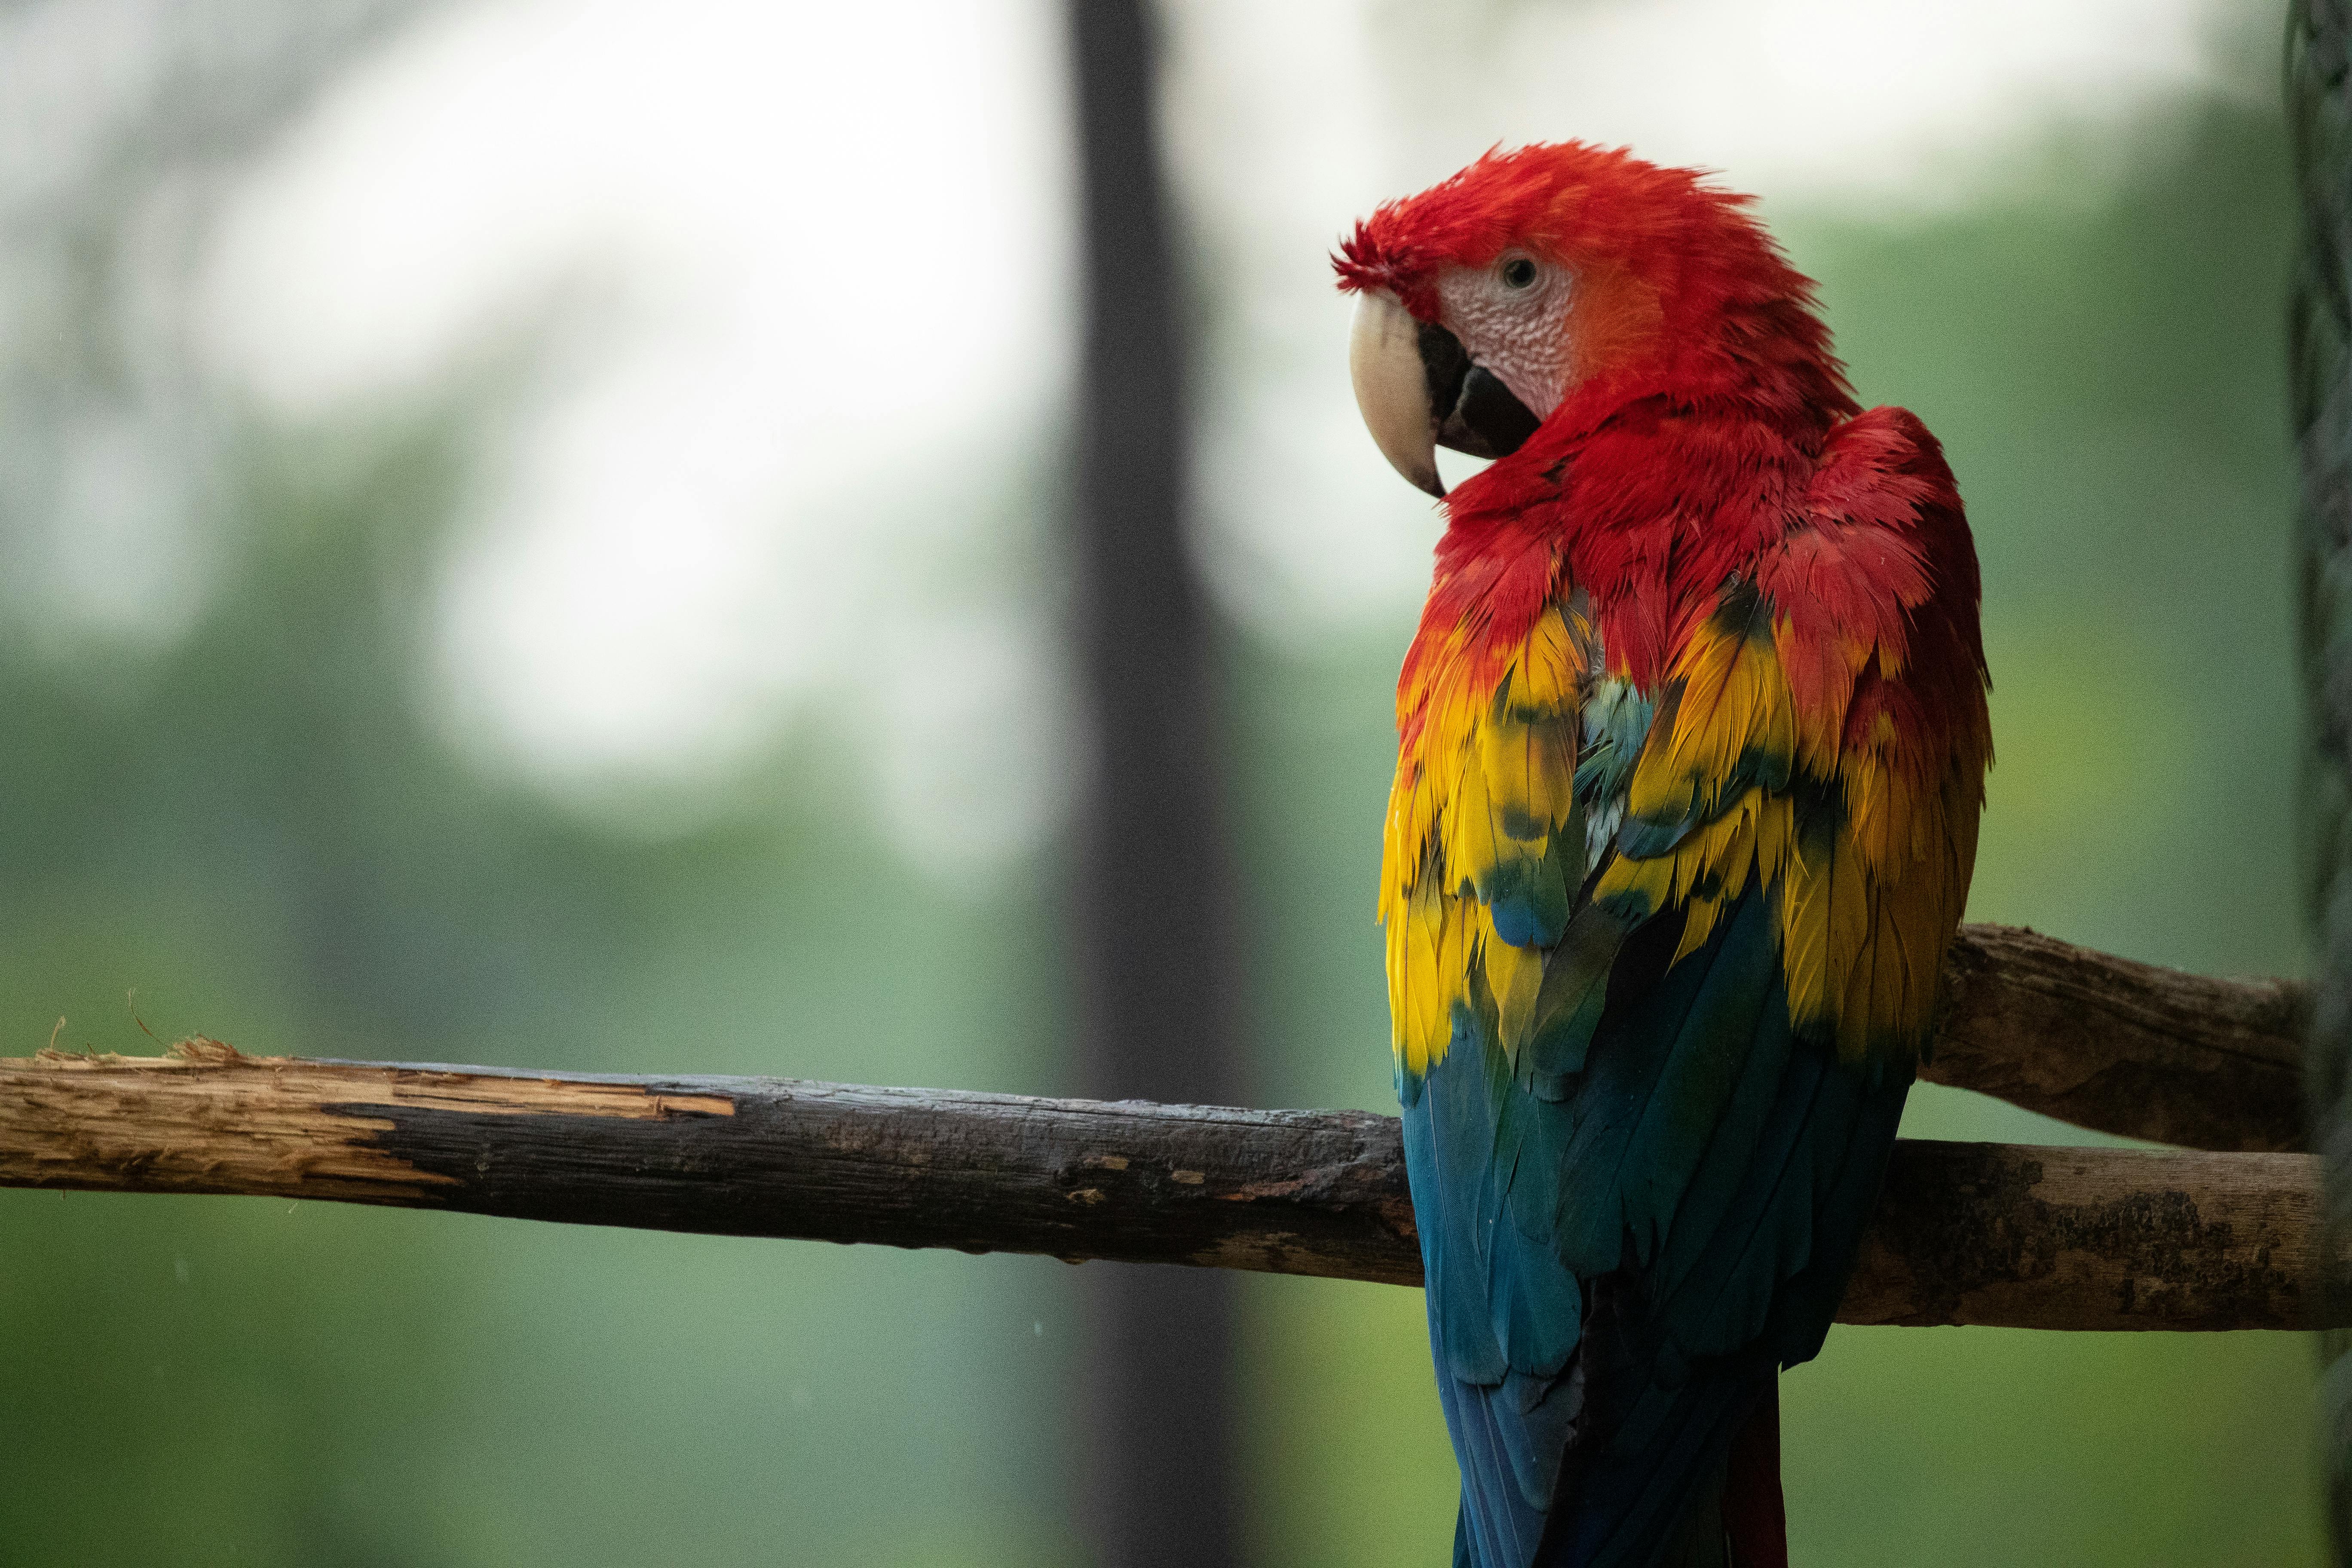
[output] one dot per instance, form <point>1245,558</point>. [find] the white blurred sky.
<point>819,261</point>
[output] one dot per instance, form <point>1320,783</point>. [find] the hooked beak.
<point>1418,390</point>
<point>1391,389</point>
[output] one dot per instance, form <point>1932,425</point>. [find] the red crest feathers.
<point>1669,265</point>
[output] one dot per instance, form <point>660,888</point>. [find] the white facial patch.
<point>1520,334</point>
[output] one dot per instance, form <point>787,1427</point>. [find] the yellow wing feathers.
<point>1730,712</point>
<point>1870,854</point>
<point>1863,832</point>
<point>1485,845</point>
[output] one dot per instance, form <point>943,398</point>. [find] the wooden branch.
<point>2123,1047</point>
<point>1969,1233</point>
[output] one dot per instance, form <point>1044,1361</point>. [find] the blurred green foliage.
<point>259,828</point>
<point>259,831</point>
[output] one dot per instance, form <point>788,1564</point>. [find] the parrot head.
<point>1567,279</point>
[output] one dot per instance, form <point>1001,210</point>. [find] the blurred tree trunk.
<point>2319,110</point>
<point>1152,942</point>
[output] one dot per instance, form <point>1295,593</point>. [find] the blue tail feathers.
<point>1616,1273</point>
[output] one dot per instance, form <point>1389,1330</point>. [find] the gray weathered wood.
<point>1969,1233</point>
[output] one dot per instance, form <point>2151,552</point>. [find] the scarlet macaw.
<point>1692,746</point>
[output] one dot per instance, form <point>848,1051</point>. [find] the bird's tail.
<point>1737,1519</point>
<point>1680,1473</point>
<point>1754,1521</point>
<point>1723,1511</point>
<point>1733,1516</point>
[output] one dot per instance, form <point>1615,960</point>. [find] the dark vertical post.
<point>2319,111</point>
<point>1152,942</point>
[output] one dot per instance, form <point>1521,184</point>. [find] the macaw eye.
<point>1519,272</point>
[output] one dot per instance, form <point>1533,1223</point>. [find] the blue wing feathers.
<point>1448,1139</point>
<point>1665,1060</point>
<point>1801,1314</point>
<point>1511,1437</point>
<point>1767,1100</point>
<point>1507,1525</point>
<point>1701,1168</point>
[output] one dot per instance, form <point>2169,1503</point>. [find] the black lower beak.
<point>1474,412</point>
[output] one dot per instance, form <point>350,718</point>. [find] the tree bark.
<point>2125,1048</point>
<point>1968,1233</point>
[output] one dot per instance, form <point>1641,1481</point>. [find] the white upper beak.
<point>1392,389</point>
